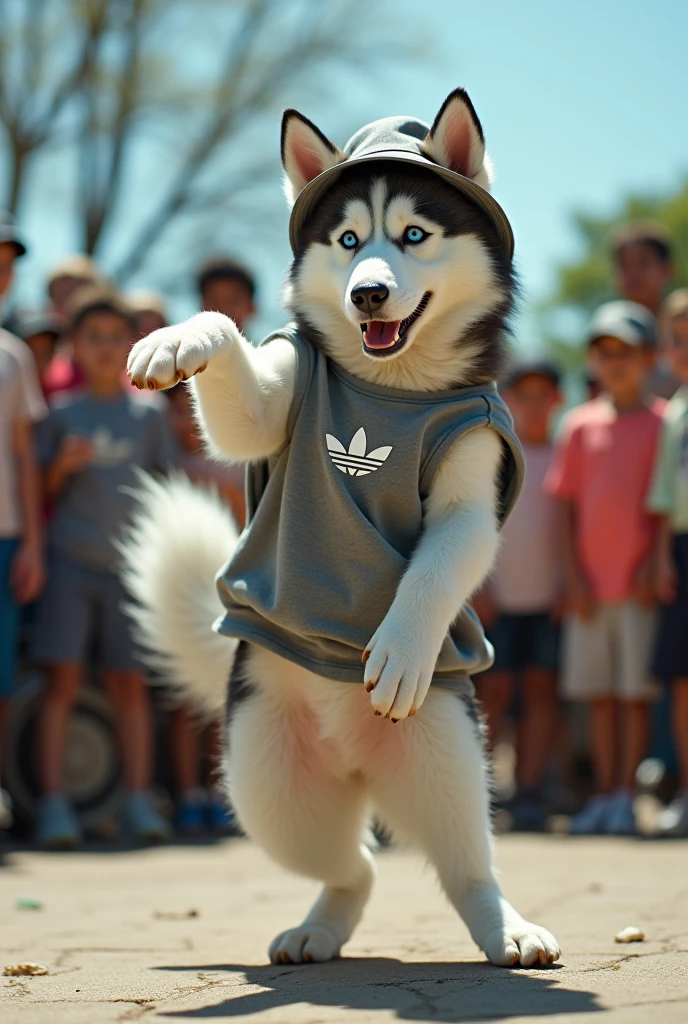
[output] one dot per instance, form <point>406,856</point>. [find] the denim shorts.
<point>525,641</point>
<point>81,616</point>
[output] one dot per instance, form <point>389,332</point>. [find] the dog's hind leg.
<point>435,794</point>
<point>294,801</point>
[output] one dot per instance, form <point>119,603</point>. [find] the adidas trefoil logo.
<point>355,462</point>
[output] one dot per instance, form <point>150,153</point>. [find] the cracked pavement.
<point>119,938</point>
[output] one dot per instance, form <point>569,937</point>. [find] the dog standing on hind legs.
<point>382,463</point>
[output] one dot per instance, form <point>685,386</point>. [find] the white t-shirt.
<point>529,568</point>
<point>20,400</point>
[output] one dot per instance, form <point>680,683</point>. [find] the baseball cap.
<point>398,139</point>
<point>628,321</point>
<point>532,368</point>
<point>8,232</point>
<point>25,323</point>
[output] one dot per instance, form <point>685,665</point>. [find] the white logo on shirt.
<point>355,462</point>
<point>108,452</point>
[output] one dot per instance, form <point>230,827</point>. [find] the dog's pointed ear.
<point>305,152</point>
<point>456,139</point>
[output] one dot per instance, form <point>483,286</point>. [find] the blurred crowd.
<point>73,433</point>
<point>588,603</point>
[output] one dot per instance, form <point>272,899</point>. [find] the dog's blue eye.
<point>349,240</point>
<point>414,235</point>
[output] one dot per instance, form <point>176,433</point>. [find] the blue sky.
<point>580,102</point>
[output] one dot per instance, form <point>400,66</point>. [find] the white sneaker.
<point>673,820</point>
<point>620,816</point>
<point>591,820</point>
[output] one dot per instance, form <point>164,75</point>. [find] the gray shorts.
<point>610,655</point>
<point>80,618</point>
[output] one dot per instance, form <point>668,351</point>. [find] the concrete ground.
<point>181,933</point>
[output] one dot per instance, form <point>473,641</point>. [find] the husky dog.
<point>382,463</point>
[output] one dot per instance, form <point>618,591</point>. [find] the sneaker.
<point>190,818</point>
<point>220,817</point>
<point>620,817</point>
<point>142,821</point>
<point>590,821</point>
<point>527,811</point>
<point>673,820</point>
<point>56,824</point>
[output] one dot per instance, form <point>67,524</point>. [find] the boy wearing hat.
<point>519,603</point>
<point>601,473</point>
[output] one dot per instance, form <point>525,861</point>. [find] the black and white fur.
<point>308,758</point>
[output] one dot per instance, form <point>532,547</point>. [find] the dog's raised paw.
<point>526,945</point>
<point>309,943</point>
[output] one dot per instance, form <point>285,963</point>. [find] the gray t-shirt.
<point>127,432</point>
<point>334,516</point>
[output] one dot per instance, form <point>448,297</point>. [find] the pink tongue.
<point>382,333</point>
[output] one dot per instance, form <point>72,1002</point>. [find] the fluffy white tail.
<point>180,536</point>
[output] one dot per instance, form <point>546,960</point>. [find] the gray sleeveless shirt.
<point>335,514</point>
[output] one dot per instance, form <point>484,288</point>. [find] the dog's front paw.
<point>399,668</point>
<point>526,944</point>
<point>309,943</point>
<point>171,354</point>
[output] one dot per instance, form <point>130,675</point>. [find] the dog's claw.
<point>151,385</point>
<point>365,656</point>
<point>369,687</point>
<point>412,712</point>
<point>378,714</point>
<point>394,721</point>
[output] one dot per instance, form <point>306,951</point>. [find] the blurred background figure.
<point>644,268</point>
<point>228,287</point>
<point>41,331</point>
<point>65,281</point>
<point>89,446</point>
<point>521,603</point>
<point>601,473</point>
<point>21,550</point>
<point>669,500</point>
<point>149,312</point>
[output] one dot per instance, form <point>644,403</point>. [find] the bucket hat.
<point>398,139</point>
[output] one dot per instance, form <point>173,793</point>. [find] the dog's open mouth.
<point>383,337</point>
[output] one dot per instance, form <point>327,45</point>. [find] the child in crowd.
<point>71,275</point>
<point>227,287</point>
<point>41,332</point>
<point>669,499</point>
<point>601,472</point>
<point>148,309</point>
<point>200,809</point>
<point>89,447</point>
<point>642,254</point>
<point>520,602</point>
<point>21,555</point>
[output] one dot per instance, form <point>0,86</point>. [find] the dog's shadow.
<point>420,991</point>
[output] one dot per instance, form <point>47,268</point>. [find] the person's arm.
<point>72,455</point>
<point>666,578</point>
<point>27,573</point>
<point>578,596</point>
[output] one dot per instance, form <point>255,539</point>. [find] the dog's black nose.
<point>369,297</point>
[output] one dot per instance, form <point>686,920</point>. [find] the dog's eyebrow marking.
<point>400,212</point>
<point>378,198</point>
<point>358,217</point>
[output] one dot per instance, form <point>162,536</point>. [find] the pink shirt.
<point>603,464</point>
